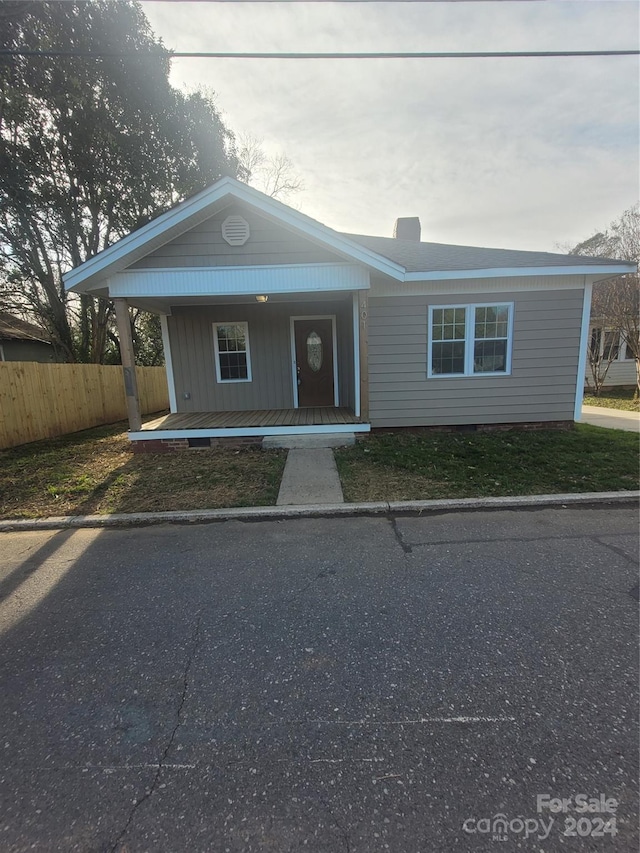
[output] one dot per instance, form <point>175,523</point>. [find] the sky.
<point>514,153</point>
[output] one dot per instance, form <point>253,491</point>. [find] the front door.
<point>314,361</point>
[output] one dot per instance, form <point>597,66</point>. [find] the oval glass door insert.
<point>314,351</point>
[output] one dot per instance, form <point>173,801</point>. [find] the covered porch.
<point>250,366</point>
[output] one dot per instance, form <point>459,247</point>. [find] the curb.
<point>279,513</point>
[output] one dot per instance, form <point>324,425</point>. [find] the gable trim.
<point>191,212</point>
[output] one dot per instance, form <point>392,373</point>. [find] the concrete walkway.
<point>611,418</point>
<point>310,477</point>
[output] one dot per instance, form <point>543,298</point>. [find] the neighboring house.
<point>22,341</point>
<point>608,344</point>
<point>275,324</point>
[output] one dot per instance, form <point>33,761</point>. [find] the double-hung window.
<point>233,359</point>
<point>470,340</point>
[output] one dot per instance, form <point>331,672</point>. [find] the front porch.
<point>252,423</point>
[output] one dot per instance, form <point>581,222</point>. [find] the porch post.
<point>363,319</point>
<point>128,364</point>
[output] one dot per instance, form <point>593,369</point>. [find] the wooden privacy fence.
<point>46,400</point>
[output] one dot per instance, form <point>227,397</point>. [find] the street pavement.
<point>348,684</point>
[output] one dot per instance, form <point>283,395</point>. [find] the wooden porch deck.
<point>325,416</point>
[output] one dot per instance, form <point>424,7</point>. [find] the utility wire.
<point>338,2</point>
<point>341,2</point>
<point>535,54</point>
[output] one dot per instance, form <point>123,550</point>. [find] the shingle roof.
<point>13,328</point>
<point>442,257</point>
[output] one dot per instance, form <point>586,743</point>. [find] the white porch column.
<point>128,364</point>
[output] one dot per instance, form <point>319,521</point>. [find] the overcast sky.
<point>516,153</point>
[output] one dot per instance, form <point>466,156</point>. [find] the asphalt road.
<point>355,685</point>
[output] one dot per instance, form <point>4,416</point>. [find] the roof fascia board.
<point>128,245</point>
<point>117,255</point>
<point>516,272</point>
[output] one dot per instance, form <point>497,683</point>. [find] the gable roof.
<point>186,215</point>
<point>14,329</point>
<point>402,260</point>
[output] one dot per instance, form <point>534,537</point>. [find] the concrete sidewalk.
<point>310,477</point>
<point>611,418</point>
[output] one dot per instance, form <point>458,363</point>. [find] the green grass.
<point>514,462</point>
<point>95,471</point>
<point>615,398</point>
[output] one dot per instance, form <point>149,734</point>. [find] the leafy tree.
<point>90,149</point>
<point>615,304</point>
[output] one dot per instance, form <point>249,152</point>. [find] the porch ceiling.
<point>164,306</point>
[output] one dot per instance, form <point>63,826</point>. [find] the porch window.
<point>470,340</point>
<point>233,360</point>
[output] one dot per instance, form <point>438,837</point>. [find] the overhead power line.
<point>341,2</point>
<point>512,54</point>
<point>338,2</point>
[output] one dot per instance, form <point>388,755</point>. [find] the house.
<point>276,325</point>
<point>611,357</point>
<point>22,341</point>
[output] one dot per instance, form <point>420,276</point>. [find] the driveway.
<point>611,418</point>
<point>357,685</point>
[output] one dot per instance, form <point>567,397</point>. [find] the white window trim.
<point>217,350</point>
<point>469,339</point>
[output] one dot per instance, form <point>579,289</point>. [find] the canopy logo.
<point>499,827</point>
<point>595,817</point>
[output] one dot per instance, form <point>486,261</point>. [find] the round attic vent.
<point>235,230</point>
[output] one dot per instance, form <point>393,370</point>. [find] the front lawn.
<point>460,465</point>
<point>95,471</point>
<point>615,398</point>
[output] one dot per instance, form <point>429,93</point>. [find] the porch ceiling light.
<point>264,298</point>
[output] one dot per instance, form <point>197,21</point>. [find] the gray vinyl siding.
<point>203,246</point>
<point>542,384</point>
<point>193,355</point>
<point>344,326</point>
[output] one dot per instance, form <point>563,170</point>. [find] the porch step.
<point>310,477</point>
<point>309,442</point>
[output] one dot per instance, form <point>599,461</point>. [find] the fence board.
<point>45,400</point>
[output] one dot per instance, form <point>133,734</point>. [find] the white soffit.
<point>237,281</point>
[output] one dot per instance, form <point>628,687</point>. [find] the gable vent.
<point>235,230</point>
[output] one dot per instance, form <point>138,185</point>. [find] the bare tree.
<point>604,346</point>
<point>274,175</point>
<point>615,305</point>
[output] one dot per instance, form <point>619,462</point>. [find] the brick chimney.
<point>407,228</point>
